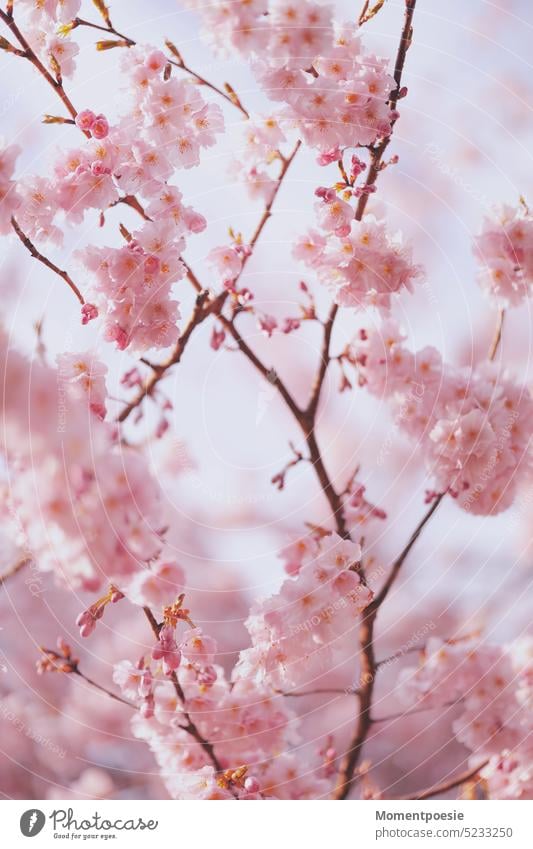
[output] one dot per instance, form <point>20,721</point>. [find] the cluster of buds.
<point>357,509</point>
<point>237,779</point>
<point>57,661</point>
<point>268,324</point>
<point>87,620</point>
<point>96,125</point>
<point>88,313</point>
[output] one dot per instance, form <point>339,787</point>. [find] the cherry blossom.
<point>504,250</point>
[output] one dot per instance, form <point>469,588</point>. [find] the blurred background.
<point>464,141</point>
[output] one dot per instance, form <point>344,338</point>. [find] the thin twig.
<point>438,789</point>
<point>229,95</point>
<point>45,261</point>
<point>406,713</point>
<point>29,54</point>
<point>493,350</point>
<point>15,569</point>
<point>203,308</point>
<point>206,306</point>
<point>366,632</point>
<point>369,667</point>
<point>190,727</point>
<point>102,689</point>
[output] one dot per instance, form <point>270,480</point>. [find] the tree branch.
<point>229,95</point>
<point>438,789</point>
<point>45,261</point>
<point>190,727</point>
<point>29,54</point>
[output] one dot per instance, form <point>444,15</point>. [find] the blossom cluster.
<point>94,513</point>
<point>334,92</point>
<point>46,29</point>
<point>171,123</point>
<point>472,426</point>
<point>301,631</point>
<point>357,260</point>
<point>504,250</point>
<point>493,687</point>
<point>245,723</point>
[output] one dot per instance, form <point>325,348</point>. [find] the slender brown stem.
<point>369,666</point>
<point>398,563</point>
<point>203,308</point>
<point>206,306</point>
<point>438,789</point>
<point>322,691</point>
<point>45,261</point>
<point>366,631</point>
<point>15,569</point>
<point>229,95</point>
<point>102,689</point>
<point>29,54</point>
<point>406,713</point>
<point>493,350</point>
<point>189,727</point>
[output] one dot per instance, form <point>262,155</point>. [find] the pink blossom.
<point>504,250</point>
<point>226,261</point>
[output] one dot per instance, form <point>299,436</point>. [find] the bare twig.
<point>207,305</point>
<point>439,789</point>
<point>369,666</point>
<point>189,727</point>
<point>15,569</point>
<point>45,261</point>
<point>28,53</point>
<point>493,350</point>
<point>229,94</point>
<point>366,632</point>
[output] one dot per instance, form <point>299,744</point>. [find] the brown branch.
<point>190,727</point>
<point>62,661</point>
<point>438,789</point>
<point>497,335</point>
<point>45,261</point>
<point>15,569</point>
<point>229,95</point>
<point>366,632</point>
<point>321,691</point>
<point>369,666</point>
<point>398,563</point>
<point>406,713</point>
<point>206,306</point>
<point>102,689</point>
<point>29,54</point>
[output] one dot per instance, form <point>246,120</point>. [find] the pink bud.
<point>116,596</point>
<point>86,623</point>
<point>251,784</point>
<point>88,312</point>
<point>100,127</point>
<point>98,168</point>
<point>217,338</point>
